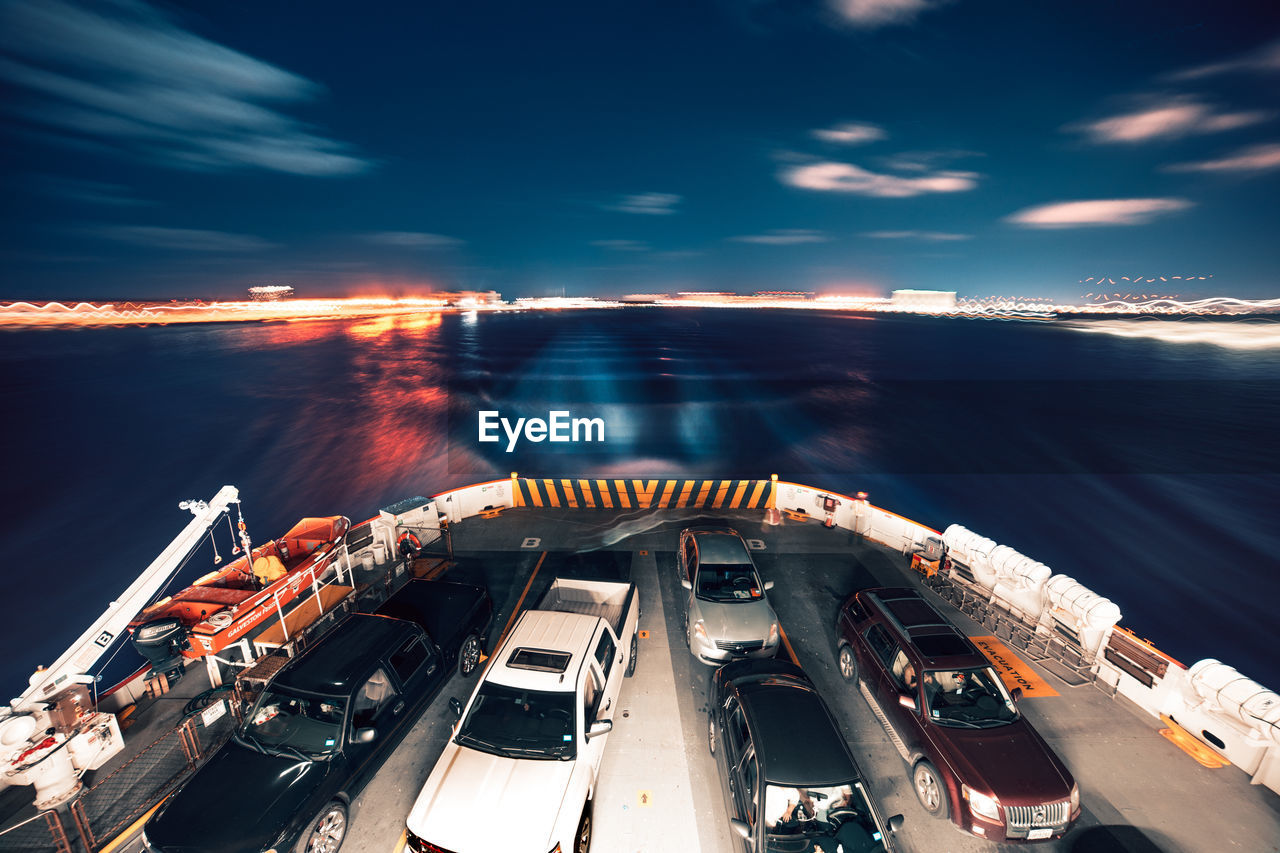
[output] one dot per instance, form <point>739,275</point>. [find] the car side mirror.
<point>768,585</point>
<point>741,828</point>
<point>907,701</point>
<point>599,727</point>
<point>366,735</point>
<point>895,822</point>
<point>456,707</point>
<point>1016,693</point>
<point>686,583</point>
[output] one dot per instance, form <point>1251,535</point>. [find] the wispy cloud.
<point>182,239</point>
<point>1167,119</point>
<point>933,236</point>
<point>90,192</point>
<point>1077,214</point>
<point>126,74</point>
<point>413,239</point>
<point>621,245</point>
<point>847,178</point>
<point>783,237</point>
<point>654,204</point>
<point>851,133</point>
<point>1264,59</point>
<point>1255,158</point>
<point>878,13</point>
<point>926,161</point>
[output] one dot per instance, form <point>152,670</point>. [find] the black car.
<point>324,725</point>
<point>788,779</point>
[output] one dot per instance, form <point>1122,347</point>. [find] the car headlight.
<point>773,634</point>
<point>1075,799</point>
<point>700,632</point>
<point>981,804</point>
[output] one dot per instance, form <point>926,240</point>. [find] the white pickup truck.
<point>520,771</point>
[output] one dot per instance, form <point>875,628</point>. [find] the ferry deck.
<point>659,791</point>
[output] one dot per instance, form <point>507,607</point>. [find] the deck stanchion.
<point>771,514</point>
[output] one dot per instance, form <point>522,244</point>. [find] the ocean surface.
<point>1142,460</point>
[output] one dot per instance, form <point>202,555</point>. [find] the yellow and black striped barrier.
<point>643,494</point>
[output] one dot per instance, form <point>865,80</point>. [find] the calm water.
<point>1148,470</point>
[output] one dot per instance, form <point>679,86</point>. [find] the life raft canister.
<point>409,544</point>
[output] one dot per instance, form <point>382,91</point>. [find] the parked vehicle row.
<point>528,743</point>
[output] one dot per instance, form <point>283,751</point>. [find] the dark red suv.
<point>973,756</point>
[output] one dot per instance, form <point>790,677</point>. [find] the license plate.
<point>1038,834</point>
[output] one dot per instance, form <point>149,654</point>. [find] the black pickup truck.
<point>324,725</point>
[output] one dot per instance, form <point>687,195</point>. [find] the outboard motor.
<point>161,642</point>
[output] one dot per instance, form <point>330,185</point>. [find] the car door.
<point>376,704</point>
<point>592,703</point>
<point>747,797</point>
<point>418,669</point>
<point>738,753</point>
<point>900,678</point>
<point>608,657</point>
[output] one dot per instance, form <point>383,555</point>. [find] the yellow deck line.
<point>553,497</point>
<point>787,643</point>
<point>605,497</point>
<point>684,493</point>
<point>585,486</point>
<point>755,493</point>
<point>737,496</point>
<point>720,495</point>
<point>624,501</point>
<point>533,492</point>
<point>666,493</point>
<point>516,610</point>
<point>702,493</point>
<point>404,839</point>
<point>132,828</point>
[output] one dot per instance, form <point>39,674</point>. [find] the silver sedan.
<point>728,616</point>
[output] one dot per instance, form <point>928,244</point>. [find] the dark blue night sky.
<point>197,148</point>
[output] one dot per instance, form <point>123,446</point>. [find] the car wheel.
<point>929,789</point>
<point>848,663</point>
<point>631,664</point>
<point>469,656</point>
<point>711,733</point>
<point>327,830</point>
<point>582,838</point>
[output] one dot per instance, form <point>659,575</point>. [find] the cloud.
<point>934,236</point>
<point>654,204</point>
<point>622,245</point>
<point>783,237</point>
<point>1264,59</point>
<point>926,161</point>
<point>1168,119</point>
<point>90,192</point>
<point>1255,158</point>
<point>413,239</point>
<point>878,13</point>
<point>847,178</point>
<point>1076,214</point>
<point>182,239</point>
<point>851,133</point>
<point>152,89</point>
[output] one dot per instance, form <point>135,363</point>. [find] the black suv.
<point>785,770</point>
<point>973,755</point>
<point>324,725</point>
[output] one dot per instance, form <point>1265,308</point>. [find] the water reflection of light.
<point>1239,336</point>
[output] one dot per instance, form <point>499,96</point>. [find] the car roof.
<point>342,659</point>
<point>724,546</point>
<point>545,630</point>
<point>937,642</point>
<point>796,739</point>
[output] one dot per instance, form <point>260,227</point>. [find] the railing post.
<point>82,824</point>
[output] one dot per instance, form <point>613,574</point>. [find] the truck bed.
<point>609,600</point>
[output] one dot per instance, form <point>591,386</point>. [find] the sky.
<point>194,149</point>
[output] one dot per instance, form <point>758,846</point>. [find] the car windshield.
<point>728,582</point>
<point>520,723</point>
<point>967,698</point>
<point>826,817</point>
<point>311,724</point>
